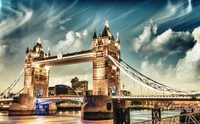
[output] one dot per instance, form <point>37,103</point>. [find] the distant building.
<point>61,90</point>
<point>79,86</point>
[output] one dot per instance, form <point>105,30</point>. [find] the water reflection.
<point>74,117</point>
<point>139,116</point>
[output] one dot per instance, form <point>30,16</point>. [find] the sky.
<point>159,38</point>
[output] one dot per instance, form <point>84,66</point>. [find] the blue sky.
<point>158,38</point>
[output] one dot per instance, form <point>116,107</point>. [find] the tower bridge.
<point>107,66</point>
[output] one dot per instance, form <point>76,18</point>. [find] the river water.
<point>74,117</point>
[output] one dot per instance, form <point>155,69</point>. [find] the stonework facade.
<point>36,78</point>
<point>105,73</point>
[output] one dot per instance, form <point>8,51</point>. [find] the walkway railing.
<point>189,118</point>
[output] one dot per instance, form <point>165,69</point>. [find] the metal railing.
<point>188,118</point>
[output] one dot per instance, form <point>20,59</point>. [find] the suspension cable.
<point>13,84</point>
<point>143,80</point>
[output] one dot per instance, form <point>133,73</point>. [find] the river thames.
<point>74,117</point>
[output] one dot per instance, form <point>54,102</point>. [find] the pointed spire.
<point>107,23</point>
<point>112,38</point>
<point>95,35</point>
<point>118,40</point>
<point>34,48</point>
<point>106,31</point>
<point>38,41</point>
<point>49,54</point>
<point>27,50</point>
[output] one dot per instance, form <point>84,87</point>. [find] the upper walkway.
<point>63,59</point>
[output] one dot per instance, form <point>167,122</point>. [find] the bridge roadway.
<point>69,58</point>
<point>80,98</point>
<point>159,98</point>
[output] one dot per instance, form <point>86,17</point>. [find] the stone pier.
<point>28,106</point>
<point>97,107</point>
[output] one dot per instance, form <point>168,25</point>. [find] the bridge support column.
<point>156,115</point>
<point>121,114</point>
<point>97,107</point>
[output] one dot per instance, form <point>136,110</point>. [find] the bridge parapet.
<point>189,118</point>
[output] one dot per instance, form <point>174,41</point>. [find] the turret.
<point>112,39</point>
<point>95,35</point>
<point>38,46</point>
<point>38,50</point>
<point>117,44</point>
<point>49,54</point>
<point>106,35</point>
<point>94,41</point>
<point>27,50</point>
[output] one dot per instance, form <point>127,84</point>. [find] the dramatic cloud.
<point>75,41</point>
<point>188,68</point>
<point>196,34</point>
<point>168,43</point>
<point>183,74</point>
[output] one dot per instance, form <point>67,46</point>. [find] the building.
<point>79,86</point>
<point>61,90</point>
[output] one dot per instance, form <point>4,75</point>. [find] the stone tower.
<point>36,77</point>
<point>106,76</point>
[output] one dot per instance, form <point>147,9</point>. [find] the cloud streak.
<point>173,11</point>
<point>10,24</point>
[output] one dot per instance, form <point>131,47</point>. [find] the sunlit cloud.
<point>167,43</point>
<point>75,41</point>
<point>183,74</point>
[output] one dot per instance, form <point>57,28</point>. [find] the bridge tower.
<point>36,82</point>
<point>36,77</point>
<point>106,76</point>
